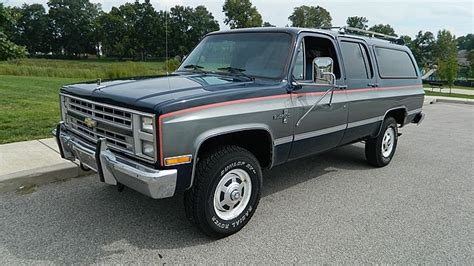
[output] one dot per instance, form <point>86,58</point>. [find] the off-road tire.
<point>373,146</point>
<point>210,169</point>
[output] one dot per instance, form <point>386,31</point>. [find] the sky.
<point>407,17</point>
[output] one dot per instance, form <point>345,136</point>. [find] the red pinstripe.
<point>213,105</point>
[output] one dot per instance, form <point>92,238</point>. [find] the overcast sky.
<point>406,16</point>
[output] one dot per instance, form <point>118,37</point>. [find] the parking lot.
<point>329,208</point>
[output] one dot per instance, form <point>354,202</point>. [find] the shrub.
<point>9,50</point>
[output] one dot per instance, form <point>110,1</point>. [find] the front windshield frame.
<point>286,62</point>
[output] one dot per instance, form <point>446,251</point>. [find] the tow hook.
<point>399,134</point>
<point>120,187</point>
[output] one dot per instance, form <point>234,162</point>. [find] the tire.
<point>217,203</point>
<point>379,151</point>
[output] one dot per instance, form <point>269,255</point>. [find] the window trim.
<point>300,37</point>
<point>399,50</point>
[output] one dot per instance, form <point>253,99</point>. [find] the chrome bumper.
<point>113,169</point>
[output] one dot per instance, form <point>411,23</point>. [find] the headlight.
<point>147,124</point>
<point>148,148</point>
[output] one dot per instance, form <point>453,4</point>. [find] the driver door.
<point>323,128</point>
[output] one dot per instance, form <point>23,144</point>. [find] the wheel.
<point>380,150</point>
<point>226,191</point>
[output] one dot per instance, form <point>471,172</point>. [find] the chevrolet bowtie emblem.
<point>89,122</point>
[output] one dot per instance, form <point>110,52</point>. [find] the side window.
<point>319,47</point>
<point>356,62</point>
<point>394,63</point>
<point>298,70</point>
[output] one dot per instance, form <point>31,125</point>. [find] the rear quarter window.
<point>394,63</point>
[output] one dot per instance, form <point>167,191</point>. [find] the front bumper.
<point>114,169</point>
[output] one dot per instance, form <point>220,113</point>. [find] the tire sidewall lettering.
<point>240,220</point>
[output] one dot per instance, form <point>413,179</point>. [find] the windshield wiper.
<point>194,67</point>
<point>237,71</point>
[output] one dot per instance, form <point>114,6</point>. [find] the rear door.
<point>362,88</point>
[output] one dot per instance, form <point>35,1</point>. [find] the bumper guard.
<point>114,169</point>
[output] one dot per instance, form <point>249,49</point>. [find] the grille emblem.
<point>89,122</point>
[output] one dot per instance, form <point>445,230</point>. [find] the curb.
<point>460,101</point>
<point>40,176</point>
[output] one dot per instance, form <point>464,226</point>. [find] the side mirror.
<point>323,69</point>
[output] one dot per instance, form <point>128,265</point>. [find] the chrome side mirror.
<point>323,70</point>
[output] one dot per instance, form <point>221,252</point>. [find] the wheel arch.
<point>399,113</point>
<point>265,156</point>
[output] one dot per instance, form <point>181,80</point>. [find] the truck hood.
<point>146,93</point>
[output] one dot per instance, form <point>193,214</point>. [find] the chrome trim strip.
<point>364,122</point>
<point>320,132</point>
<point>283,140</point>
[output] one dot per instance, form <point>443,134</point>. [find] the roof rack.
<point>346,29</point>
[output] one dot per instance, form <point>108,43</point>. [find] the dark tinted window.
<point>354,61</point>
<point>394,63</point>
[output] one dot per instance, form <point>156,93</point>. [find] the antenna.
<point>166,42</point>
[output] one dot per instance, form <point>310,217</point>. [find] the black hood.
<point>146,94</point>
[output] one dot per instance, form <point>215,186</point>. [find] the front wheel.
<point>380,150</point>
<point>226,191</point>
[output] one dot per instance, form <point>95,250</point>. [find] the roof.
<point>295,31</point>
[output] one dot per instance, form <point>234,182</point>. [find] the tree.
<point>72,25</point>
<point>445,53</point>
<point>241,14</point>
<point>310,17</point>
<point>8,49</point>
<point>187,26</point>
<point>466,42</point>
<point>267,24</point>
<point>201,22</point>
<point>384,29</point>
<point>32,28</point>
<point>422,47</point>
<point>357,22</point>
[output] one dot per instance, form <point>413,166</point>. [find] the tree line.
<point>74,28</point>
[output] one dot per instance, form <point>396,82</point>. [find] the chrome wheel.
<point>232,194</point>
<point>388,141</point>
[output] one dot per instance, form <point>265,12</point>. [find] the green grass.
<point>29,107</point>
<point>87,69</point>
<point>454,95</point>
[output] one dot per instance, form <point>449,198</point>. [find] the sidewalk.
<point>32,163</point>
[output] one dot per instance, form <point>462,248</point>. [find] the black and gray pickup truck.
<point>241,101</point>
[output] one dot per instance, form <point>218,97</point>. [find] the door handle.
<point>373,85</point>
<point>341,87</point>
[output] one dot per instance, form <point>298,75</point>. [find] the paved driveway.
<point>330,208</point>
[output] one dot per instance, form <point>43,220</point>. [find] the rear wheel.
<point>379,151</point>
<point>226,191</point>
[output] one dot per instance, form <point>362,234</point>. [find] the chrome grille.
<point>113,124</point>
<point>100,112</point>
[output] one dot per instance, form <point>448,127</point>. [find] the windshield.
<point>251,54</point>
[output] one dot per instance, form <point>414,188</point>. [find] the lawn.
<point>89,69</point>
<point>29,90</point>
<point>29,106</point>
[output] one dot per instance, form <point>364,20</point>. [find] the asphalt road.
<point>330,208</point>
